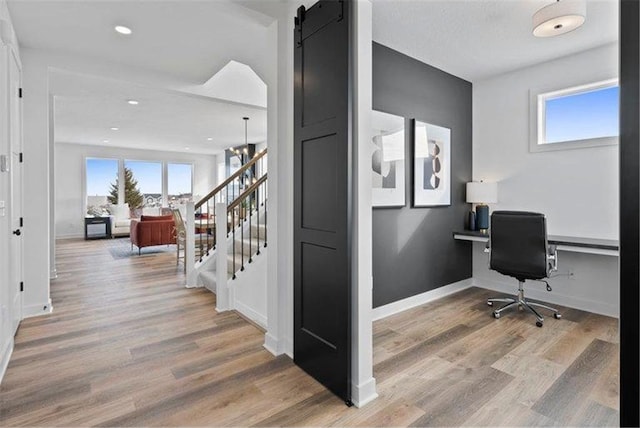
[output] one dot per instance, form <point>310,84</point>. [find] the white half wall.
<point>576,189</point>
<point>70,178</point>
<point>250,289</point>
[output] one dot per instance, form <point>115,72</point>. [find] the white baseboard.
<point>288,347</point>
<point>420,299</point>
<point>37,309</point>
<point>271,344</point>
<point>253,315</point>
<point>553,297</point>
<point>6,356</point>
<point>364,393</point>
<point>70,236</point>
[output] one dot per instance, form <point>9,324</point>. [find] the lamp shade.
<point>559,18</point>
<point>480,192</point>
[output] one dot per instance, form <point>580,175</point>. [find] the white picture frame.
<point>388,160</point>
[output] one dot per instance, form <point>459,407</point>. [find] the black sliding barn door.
<point>322,195</point>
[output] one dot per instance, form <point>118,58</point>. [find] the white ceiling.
<point>87,107</point>
<point>194,40</point>
<point>475,39</point>
<point>189,39</point>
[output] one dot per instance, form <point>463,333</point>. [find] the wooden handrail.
<point>232,177</point>
<point>246,193</point>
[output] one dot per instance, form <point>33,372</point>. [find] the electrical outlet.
<point>571,274</point>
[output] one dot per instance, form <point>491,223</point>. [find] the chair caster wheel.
<point>557,316</point>
<point>489,303</point>
<point>496,315</point>
<point>539,323</point>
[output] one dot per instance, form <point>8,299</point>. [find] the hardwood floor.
<point>128,345</point>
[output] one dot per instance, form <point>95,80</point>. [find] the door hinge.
<point>19,92</point>
<point>21,222</point>
<point>21,286</point>
<point>299,19</point>
<point>21,157</point>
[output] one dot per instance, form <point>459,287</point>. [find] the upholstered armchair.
<point>121,220</point>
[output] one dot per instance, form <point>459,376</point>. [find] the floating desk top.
<point>606,247</point>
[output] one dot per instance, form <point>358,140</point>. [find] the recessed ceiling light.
<point>114,128</point>
<point>186,148</point>
<point>123,30</point>
<point>133,102</point>
<point>105,141</point>
<point>209,139</point>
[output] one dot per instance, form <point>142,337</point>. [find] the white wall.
<point>576,189</point>
<point>70,179</point>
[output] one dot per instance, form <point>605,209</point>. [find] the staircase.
<point>227,241</point>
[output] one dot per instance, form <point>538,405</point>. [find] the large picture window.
<point>101,174</point>
<point>143,184</point>
<point>582,116</point>
<point>146,186</point>
<point>179,184</point>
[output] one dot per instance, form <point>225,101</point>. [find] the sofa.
<point>152,230</point>
<point>120,220</point>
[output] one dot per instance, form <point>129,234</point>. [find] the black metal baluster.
<point>200,235</point>
<point>258,218</point>
<point>208,220</point>
<point>233,239</point>
<point>241,235</point>
<point>214,226</point>
<point>250,229</point>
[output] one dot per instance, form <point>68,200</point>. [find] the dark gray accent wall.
<point>413,248</point>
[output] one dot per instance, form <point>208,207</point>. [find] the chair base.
<point>522,304</point>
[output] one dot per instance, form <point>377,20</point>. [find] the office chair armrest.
<point>552,258</point>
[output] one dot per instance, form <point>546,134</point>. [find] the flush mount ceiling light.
<point>559,18</point>
<point>123,30</point>
<point>133,102</point>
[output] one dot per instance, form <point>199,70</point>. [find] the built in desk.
<point>604,247</point>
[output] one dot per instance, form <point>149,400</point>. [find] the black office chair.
<point>518,248</point>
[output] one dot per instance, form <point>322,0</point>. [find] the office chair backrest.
<point>519,244</point>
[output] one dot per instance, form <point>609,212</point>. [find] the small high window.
<point>583,116</point>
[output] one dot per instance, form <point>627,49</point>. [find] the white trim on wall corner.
<point>6,356</point>
<point>365,393</point>
<point>37,309</point>
<point>420,299</point>
<point>271,344</point>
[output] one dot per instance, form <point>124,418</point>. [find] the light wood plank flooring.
<point>127,345</point>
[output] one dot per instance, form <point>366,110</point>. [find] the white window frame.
<point>537,106</point>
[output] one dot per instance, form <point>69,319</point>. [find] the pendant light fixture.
<point>246,142</point>
<point>559,18</point>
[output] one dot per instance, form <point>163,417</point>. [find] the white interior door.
<point>15,202</point>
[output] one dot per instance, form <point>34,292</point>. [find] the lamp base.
<point>482,218</point>
<point>471,223</point>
